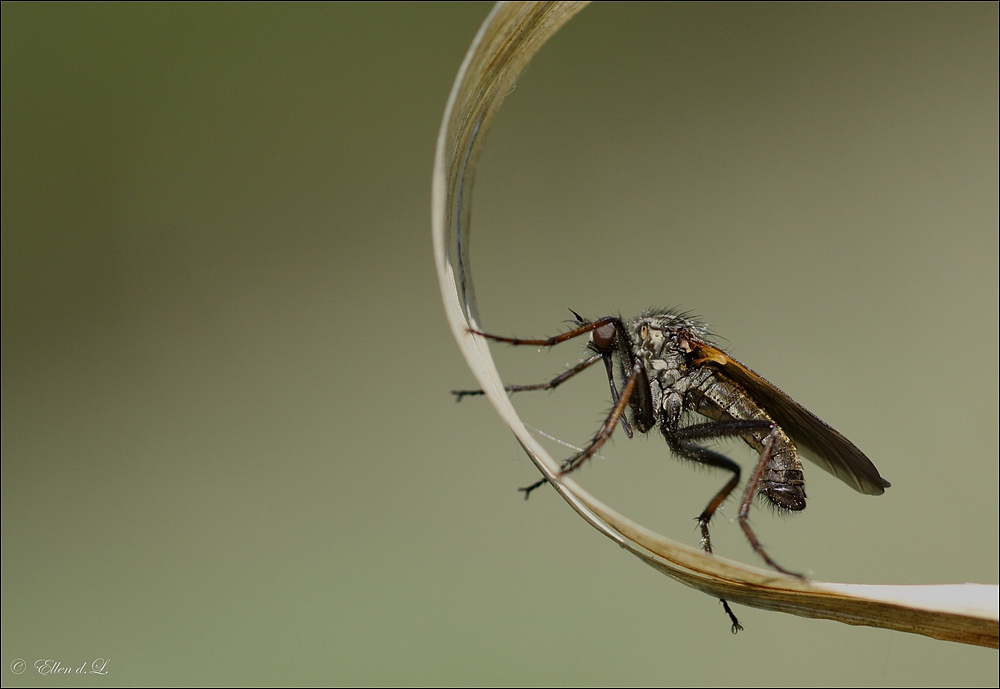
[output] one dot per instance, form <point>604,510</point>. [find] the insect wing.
<point>817,439</point>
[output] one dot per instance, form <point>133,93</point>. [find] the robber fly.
<point>667,365</point>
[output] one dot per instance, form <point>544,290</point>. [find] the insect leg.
<point>720,429</point>
<point>609,365</point>
<point>607,428</point>
<point>552,341</point>
<point>748,495</point>
<point>707,457</point>
<point>680,442</point>
<point>550,385</point>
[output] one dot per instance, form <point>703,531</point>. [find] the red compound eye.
<point>605,336</point>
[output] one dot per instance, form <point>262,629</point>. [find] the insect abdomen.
<point>784,488</point>
<point>783,483</point>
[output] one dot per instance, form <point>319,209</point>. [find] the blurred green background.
<point>229,451</point>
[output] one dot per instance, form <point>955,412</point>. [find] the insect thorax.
<point>659,339</point>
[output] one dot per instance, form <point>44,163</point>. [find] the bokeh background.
<point>229,450</point>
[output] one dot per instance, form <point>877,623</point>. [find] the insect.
<point>668,368</point>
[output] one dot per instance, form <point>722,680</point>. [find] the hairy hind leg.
<point>748,495</point>
<point>680,440</point>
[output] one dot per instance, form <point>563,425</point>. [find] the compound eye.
<point>605,336</point>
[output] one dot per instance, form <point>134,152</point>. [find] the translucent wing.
<point>817,440</point>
